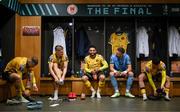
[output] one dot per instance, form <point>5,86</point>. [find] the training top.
<point>60,61</point>
<point>18,65</point>
<point>97,63</point>
<point>153,72</point>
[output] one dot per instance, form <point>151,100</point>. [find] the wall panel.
<point>28,45</point>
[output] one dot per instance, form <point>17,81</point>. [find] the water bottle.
<point>171,74</point>
<point>80,73</point>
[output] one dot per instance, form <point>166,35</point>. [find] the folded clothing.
<point>34,105</point>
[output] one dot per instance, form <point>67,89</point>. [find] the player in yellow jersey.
<point>58,64</point>
<point>118,40</point>
<point>18,69</point>
<point>95,65</point>
<point>155,69</point>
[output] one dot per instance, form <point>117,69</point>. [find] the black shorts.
<point>6,76</point>
<point>157,77</point>
<point>89,75</point>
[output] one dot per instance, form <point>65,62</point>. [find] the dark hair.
<point>92,46</point>
<point>155,60</point>
<point>58,46</point>
<point>122,50</point>
<point>34,60</point>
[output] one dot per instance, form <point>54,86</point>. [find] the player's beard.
<point>93,55</point>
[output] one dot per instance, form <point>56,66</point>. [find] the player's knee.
<point>131,74</point>
<point>84,78</point>
<point>111,73</point>
<point>87,84</point>
<point>101,84</point>
<point>55,66</point>
<point>102,78</point>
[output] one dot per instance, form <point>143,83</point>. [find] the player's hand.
<point>35,88</point>
<point>155,93</point>
<point>62,78</point>
<point>26,92</point>
<point>116,73</point>
<point>124,73</point>
<point>56,78</point>
<point>163,88</point>
<point>61,81</point>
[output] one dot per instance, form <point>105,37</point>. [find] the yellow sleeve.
<point>86,67</point>
<point>163,77</point>
<point>163,73</point>
<point>33,77</point>
<point>151,81</point>
<point>21,85</point>
<point>105,65</point>
<point>51,59</point>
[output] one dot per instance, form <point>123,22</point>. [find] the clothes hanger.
<point>118,31</point>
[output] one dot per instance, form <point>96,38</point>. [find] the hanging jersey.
<point>60,61</point>
<point>82,43</point>
<point>120,64</point>
<point>59,39</point>
<point>142,44</point>
<point>173,41</point>
<point>118,40</point>
<point>94,63</point>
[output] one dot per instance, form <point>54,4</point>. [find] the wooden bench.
<point>76,85</point>
<point>175,83</point>
<point>5,90</point>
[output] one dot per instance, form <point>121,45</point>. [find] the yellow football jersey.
<point>60,61</point>
<point>98,62</point>
<point>18,65</point>
<point>117,41</point>
<point>149,69</point>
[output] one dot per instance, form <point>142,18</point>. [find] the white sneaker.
<point>23,100</point>
<point>116,94</point>
<point>93,94</point>
<point>167,98</point>
<point>98,95</point>
<point>53,99</point>
<point>83,96</point>
<point>13,101</point>
<point>145,98</point>
<point>128,94</point>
